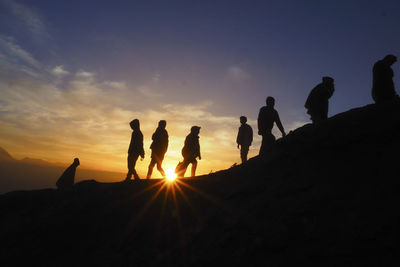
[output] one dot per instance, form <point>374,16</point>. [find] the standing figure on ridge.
<point>190,151</point>
<point>135,149</point>
<point>266,119</point>
<point>158,148</point>
<point>317,102</point>
<point>67,179</point>
<point>244,138</point>
<point>382,80</point>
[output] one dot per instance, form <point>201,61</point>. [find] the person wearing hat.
<point>382,80</point>
<point>158,148</point>
<point>135,149</point>
<point>190,151</point>
<point>317,102</point>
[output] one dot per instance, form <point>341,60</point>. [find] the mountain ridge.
<point>5,156</point>
<point>323,196</point>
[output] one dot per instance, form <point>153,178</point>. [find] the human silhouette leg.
<point>160,169</point>
<point>151,166</point>
<point>194,167</point>
<point>132,158</point>
<point>267,140</point>
<point>244,150</point>
<point>183,168</point>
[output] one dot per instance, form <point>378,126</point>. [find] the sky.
<point>73,74</point>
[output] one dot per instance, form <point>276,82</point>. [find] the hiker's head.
<point>76,162</point>
<point>134,124</point>
<point>270,101</point>
<point>195,130</point>
<point>162,124</point>
<point>390,59</point>
<point>243,119</point>
<point>327,80</point>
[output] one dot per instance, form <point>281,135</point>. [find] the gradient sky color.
<point>74,73</point>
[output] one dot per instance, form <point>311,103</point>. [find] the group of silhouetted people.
<point>159,146</point>
<point>317,105</point>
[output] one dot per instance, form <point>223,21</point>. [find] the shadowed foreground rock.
<point>327,195</point>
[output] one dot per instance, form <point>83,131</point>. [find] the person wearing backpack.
<point>158,148</point>
<point>190,151</point>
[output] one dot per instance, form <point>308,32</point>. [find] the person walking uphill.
<point>244,138</point>
<point>158,148</point>
<point>317,102</point>
<point>266,119</point>
<point>382,80</point>
<point>190,151</point>
<point>135,149</point>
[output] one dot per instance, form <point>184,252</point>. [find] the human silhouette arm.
<point>279,124</point>
<point>198,149</point>
<point>141,152</point>
<point>199,152</point>
<point>238,138</point>
<point>251,135</point>
<point>260,122</point>
<point>167,143</point>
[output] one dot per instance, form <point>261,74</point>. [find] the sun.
<point>170,175</point>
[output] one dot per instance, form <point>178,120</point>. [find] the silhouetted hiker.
<point>158,148</point>
<point>190,151</point>
<point>244,138</point>
<point>382,80</point>
<point>266,118</point>
<point>135,149</point>
<point>67,179</point>
<point>317,102</point>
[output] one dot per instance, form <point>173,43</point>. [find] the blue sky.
<point>85,67</point>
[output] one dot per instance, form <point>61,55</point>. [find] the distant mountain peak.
<point>5,156</point>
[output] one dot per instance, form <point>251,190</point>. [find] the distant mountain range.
<point>5,156</point>
<point>30,173</point>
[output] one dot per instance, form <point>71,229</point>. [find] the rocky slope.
<point>326,195</point>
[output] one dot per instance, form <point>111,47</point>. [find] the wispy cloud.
<point>10,49</point>
<point>148,91</point>
<point>89,118</point>
<point>85,75</point>
<point>59,71</point>
<point>237,73</point>
<point>86,116</point>
<point>29,17</point>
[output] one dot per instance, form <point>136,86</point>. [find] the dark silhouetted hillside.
<point>327,195</point>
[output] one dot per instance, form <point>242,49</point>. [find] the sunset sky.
<point>73,74</point>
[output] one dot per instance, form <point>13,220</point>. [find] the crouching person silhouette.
<point>67,179</point>
<point>158,148</point>
<point>317,101</point>
<point>190,151</point>
<point>135,149</point>
<point>382,80</point>
<point>244,138</point>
